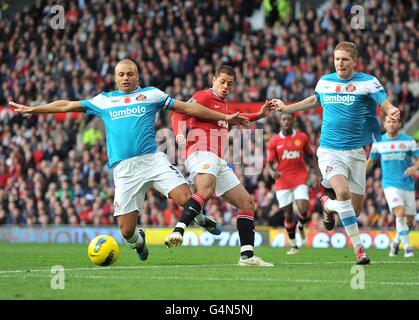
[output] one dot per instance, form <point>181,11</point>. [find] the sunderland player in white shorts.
<point>396,151</point>
<point>348,99</point>
<point>128,115</point>
<point>210,173</point>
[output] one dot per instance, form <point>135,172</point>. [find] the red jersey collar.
<point>292,135</point>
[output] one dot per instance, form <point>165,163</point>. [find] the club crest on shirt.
<point>402,146</point>
<point>329,169</point>
<point>205,166</point>
<point>350,88</point>
<point>141,97</point>
<point>297,143</point>
<point>116,206</point>
<point>395,199</point>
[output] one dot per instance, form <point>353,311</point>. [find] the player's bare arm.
<point>411,171</point>
<point>306,104</point>
<point>59,106</point>
<point>272,169</point>
<point>369,164</point>
<point>390,110</point>
<point>264,110</point>
<point>199,111</point>
<point>315,165</point>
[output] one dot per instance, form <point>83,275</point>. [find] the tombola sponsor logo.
<point>346,99</point>
<point>394,156</point>
<point>132,111</point>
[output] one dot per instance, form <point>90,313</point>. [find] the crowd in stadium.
<point>53,170</point>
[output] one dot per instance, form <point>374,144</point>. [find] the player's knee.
<point>289,218</point>
<point>181,196</point>
<point>249,205</point>
<point>410,221</point>
<point>343,195</point>
<point>303,208</point>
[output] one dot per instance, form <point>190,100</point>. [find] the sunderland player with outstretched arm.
<point>347,98</point>
<point>396,151</point>
<point>287,151</point>
<point>210,173</point>
<point>128,115</point>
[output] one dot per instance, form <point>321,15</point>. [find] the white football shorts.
<point>134,176</point>
<point>398,197</point>
<point>208,162</point>
<point>286,197</point>
<point>350,163</point>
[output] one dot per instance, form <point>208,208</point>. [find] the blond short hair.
<point>348,47</point>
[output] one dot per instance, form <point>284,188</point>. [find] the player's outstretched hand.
<point>279,105</point>
<point>236,119</point>
<point>267,108</point>
<point>394,113</point>
<point>181,141</point>
<point>20,108</point>
<point>410,172</point>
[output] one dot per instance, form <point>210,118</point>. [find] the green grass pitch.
<point>203,273</point>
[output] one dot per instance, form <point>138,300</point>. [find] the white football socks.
<point>403,231</point>
<point>350,222</point>
<point>136,240</point>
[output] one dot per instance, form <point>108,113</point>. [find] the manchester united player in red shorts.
<point>287,149</point>
<point>208,170</point>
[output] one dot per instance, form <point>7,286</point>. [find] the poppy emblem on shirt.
<point>297,143</point>
<point>205,166</point>
<point>127,100</point>
<point>141,97</point>
<point>350,88</point>
<point>392,147</point>
<point>338,89</point>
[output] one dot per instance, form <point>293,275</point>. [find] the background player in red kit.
<point>210,172</point>
<point>287,149</point>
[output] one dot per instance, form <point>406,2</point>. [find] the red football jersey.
<point>289,152</point>
<point>204,135</point>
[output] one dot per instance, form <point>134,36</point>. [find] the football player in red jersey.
<point>210,173</point>
<point>287,150</point>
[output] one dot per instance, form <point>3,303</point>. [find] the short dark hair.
<point>286,113</point>
<point>227,70</point>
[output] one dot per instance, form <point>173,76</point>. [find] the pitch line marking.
<point>199,265</point>
<point>386,283</point>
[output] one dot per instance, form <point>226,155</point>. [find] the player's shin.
<point>349,220</point>
<point>246,229</point>
<point>191,209</point>
<point>290,226</point>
